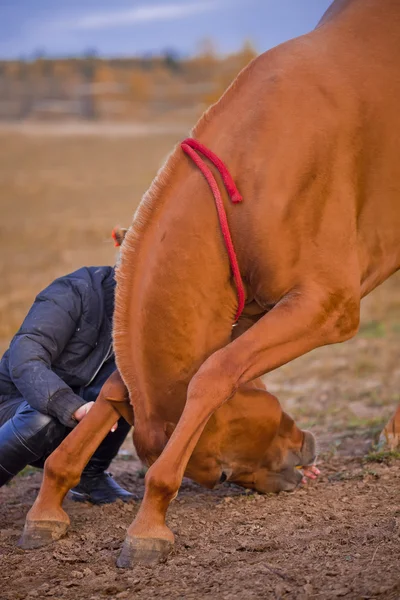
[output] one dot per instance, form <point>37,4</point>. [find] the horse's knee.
<point>59,468</point>
<point>162,484</point>
<point>62,471</point>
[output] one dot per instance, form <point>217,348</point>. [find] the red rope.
<point>114,237</point>
<point>190,146</point>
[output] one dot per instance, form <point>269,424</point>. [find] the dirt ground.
<point>60,196</point>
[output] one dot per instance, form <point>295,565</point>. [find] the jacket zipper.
<point>107,356</point>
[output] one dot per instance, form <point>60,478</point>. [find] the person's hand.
<point>310,472</point>
<point>83,411</point>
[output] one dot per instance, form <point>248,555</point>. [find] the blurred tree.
<point>40,78</point>
<point>4,90</point>
<point>172,59</point>
<point>246,54</point>
<point>207,50</point>
<point>139,86</point>
<point>205,62</point>
<point>26,96</point>
<point>88,69</point>
<point>148,86</point>
<point>91,54</point>
<point>106,86</point>
<point>228,69</point>
<point>147,61</point>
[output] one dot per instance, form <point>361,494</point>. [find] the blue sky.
<point>131,27</point>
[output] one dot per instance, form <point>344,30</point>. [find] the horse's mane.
<point>125,271</point>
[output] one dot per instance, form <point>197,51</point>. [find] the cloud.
<point>140,14</point>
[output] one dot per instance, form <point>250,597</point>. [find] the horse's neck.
<point>174,287</point>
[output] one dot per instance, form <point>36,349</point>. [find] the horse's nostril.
<point>223,477</point>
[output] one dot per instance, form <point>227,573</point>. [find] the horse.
<point>301,156</point>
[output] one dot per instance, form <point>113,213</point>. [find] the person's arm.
<point>42,337</point>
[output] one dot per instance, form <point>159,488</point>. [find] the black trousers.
<point>28,437</point>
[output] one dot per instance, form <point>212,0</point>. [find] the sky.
<point>140,27</point>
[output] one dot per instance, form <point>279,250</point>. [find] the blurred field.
<point>61,194</point>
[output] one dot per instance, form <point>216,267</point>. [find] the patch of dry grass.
<point>60,197</point>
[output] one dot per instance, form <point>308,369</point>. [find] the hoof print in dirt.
<point>145,551</point>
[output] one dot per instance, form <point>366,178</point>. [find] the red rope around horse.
<point>191,147</point>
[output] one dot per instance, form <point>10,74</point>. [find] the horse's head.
<point>252,442</point>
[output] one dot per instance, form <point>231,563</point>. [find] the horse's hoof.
<point>388,441</point>
<point>41,533</point>
<point>145,551</point>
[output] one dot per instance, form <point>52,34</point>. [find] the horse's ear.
<point>118,234</point>
<point>169,428</point>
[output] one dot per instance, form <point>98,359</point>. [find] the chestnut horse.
<point>310,134</point>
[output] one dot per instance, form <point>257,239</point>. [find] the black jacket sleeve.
<point>42,337</point>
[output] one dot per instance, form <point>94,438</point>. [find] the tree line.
<point>96,88</point>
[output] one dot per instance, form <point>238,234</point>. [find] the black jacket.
<point>62,344</point>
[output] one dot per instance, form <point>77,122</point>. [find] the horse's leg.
<point>390,436</point>
<point>47,521</point>
<point>295,326</point>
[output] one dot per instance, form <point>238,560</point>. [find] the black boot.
<point>27,438</point>
<point>96,485</point>
<point>100,489</point>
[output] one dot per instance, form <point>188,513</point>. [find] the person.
<point>52,373</point>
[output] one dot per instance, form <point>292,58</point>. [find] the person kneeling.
<point>52,373</point>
